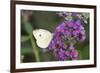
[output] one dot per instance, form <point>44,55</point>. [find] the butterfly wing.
<point>43,37</point>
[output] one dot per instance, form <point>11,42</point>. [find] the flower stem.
<point>35,49</point>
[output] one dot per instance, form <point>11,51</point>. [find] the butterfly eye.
<point>40,35</point>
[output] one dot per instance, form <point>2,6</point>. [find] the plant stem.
<point>35,49</point>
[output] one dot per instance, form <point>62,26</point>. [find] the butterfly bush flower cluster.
<point>71,30</point>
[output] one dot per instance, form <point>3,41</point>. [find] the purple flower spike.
<point>81,28</point>
<point>83,38</point>
<point>62,14</point>
<point>75,33</point>
<point>67,53</point>
<point>71,47</point>
<point>74,14</point>
<point>67,33</point>
<point>78,22</point>
<point>68,30</point>
<point>64,46</point>
<point>70,23</point>
<point>73,53</point>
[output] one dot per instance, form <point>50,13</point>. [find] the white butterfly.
<point>43,37</point>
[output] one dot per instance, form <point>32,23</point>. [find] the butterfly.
<point>43,37</point>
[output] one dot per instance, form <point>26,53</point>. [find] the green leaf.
<point>46,56</point>
<point>26,47</point>
<point>24,38</point>
<point>27,52</point>
<point>84,53</point>
<point>45,20</point>
<point>27,26</point>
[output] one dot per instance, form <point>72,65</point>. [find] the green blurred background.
<point>48,20</point>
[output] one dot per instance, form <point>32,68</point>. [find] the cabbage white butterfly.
<point>43,37</point>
